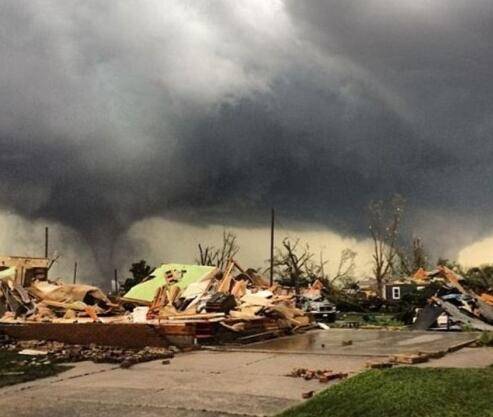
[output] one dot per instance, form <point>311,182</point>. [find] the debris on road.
<point>308,394</point>
<point>379,365</point>
<point>323,375</point>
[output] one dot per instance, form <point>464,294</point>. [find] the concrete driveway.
<point>364,342</point>
<point>249,382</point>
<point>200,383</point>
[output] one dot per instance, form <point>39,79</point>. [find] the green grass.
<point>365,319</point>
<point>486,339</point>
<point>15,368</point>
<point>405,392</point>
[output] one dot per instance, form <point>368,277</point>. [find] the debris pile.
<point>61,352</point>
<point>4,339</point>
<point>44,300</point>
<point>323,375</point>
<point>235,300</point>
<point>454,307</point>
<point>191,300</point>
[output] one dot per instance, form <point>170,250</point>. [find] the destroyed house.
<point>394,291</point>
<point>24,270</point>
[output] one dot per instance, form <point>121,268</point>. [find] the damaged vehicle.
<point>321,310</point>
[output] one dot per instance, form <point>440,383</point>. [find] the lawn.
<point>15,368</point>
<point>370,319</point>
<point>405,392</point>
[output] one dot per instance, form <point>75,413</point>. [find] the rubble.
<point>236,302</point>
<point>453,307</point>
<point>44,300</point>
<point>62,352</point>
<point>194,302</point>
<point>379,365</point>
<point>308,394</point>
<point>323,375</point>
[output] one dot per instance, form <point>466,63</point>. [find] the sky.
<point>139,128</point>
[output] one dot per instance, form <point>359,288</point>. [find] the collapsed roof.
<point>180,275</point>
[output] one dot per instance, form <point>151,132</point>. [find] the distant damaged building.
<point>23,270</point>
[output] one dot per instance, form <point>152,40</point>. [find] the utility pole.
<point>75,272</point>
<point>272,248</point>
<point>46,242</point>
<point>116,281</point>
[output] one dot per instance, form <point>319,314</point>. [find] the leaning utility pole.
<point>46,242</point>
<point>75,272</point>
<point>272,248</point>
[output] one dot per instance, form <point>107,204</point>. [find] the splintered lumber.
<point>239,289</point>
<point>225,284</point>
<point>245,312</point>
<point>453,279</point>
<point>203,316</point>
<point>236,327</point>
<point>173,293</point>
<point>255,300</point>
<point>76,305</point>
<point>91,312</point>
<point>160,300</point>
<point>242,315</point>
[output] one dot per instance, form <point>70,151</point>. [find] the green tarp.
<point>8,273</point>
<point>190,273</point>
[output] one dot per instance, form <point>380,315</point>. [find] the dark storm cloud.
<point>111,112</point>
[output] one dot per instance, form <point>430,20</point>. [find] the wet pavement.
<point>359,342</point>
<point>195,384</point>
<point>251,381</point>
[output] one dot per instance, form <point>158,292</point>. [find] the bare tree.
<point>420,259</point>
<point>385,219</point>
<point>209,255</point>
<point>316,270</point>
<point>293,260</point>
<point>409,260</point>
<point>346,266</point>
<point>297,263</point>
<point>402,266</point>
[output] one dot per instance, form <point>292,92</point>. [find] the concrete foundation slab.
<point>359,342</point>
<point>243,382</point>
